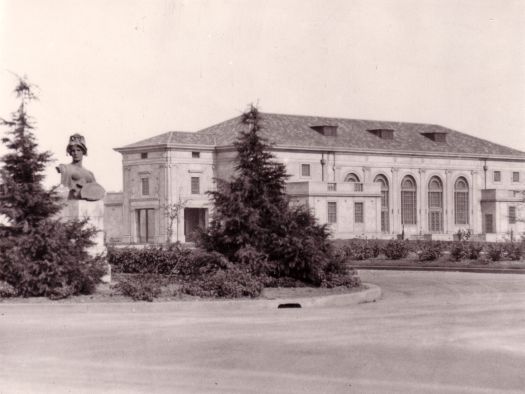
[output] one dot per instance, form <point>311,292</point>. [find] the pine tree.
<point>23,199</point>
<point>40,255</point>
<point>253,220</point>
<point>245,209</point>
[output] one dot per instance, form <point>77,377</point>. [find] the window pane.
<point>305,170</point>
<point>512,215</point>
<point>408,201</point>
<point>461,207</point>
<point>435,200</point>
<point>408,207</point>
<point>145,186</point>
<point>332,212</point>
<point>358,212</point>
<point>195,185</point>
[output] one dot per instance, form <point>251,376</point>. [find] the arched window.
<point>352,178</point>
<point>408,201</point>
<point>435,205</point>
<point>461,201</point>
<point>385,227</point>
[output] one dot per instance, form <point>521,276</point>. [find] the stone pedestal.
<point>94,212</point>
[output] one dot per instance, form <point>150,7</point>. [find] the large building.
<point>364,178</point>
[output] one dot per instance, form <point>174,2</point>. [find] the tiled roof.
<point>174,138</point>
<point>295,131</point>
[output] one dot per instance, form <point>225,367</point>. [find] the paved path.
<point>433,332</point>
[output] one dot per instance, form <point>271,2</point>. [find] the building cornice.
<point>355,151</point>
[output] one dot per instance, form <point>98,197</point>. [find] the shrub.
<point>429,252</point>
<point>361,250</point>
<point>163,260</point>
<point>202,264</point>
<point>227,282</point>
<point>397,249</point>
<point>6,290</point>
<point>513,251</point>
<point>139,287</point>
<point>495,252</point>
<point>465,251</point>
<point>50,260</point>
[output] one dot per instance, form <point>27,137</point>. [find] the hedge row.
<point>359,249</point>
<point>210,274</point>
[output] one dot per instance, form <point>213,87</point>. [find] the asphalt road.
<point>433,332</point>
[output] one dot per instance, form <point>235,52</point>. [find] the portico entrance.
<point>194,219</point>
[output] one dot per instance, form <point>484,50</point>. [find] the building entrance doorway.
<point>145,220</point>
<point>489,223</point>
<point>194,219</point>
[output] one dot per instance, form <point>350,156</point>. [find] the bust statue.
<point>80,181</point>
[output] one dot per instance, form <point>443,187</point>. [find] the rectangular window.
<point>332,212</point>
<point>195,185</point>
<point>332,187</point>
<point>195,155</point>
<point>305,169</point>
<point>497,176</point>
<point>144,155</point>
<point>512,215</point>
<point>145,186</point>
<point>358,212</point>
<point>358,187</point>
<point>515,176</point>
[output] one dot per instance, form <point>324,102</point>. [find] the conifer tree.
<point>40,255</point>
<point>23,199</point>
<point>245,208</point>
<point>253,220</point>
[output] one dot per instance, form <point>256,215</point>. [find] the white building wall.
<point>170,173</point>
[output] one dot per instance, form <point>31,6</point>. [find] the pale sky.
<point>118,71</point>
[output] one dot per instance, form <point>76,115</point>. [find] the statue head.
<point>78,141</point>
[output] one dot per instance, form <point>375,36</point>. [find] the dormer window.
<point>326,130</point>
<point>436,136</point>
<point>385,134</point>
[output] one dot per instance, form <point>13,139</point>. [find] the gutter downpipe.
<point>485,168</point>
<point>323,162</point>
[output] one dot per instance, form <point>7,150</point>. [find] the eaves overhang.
<point>161,147</point>
<point>477,156</point>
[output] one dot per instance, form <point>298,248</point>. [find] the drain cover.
<point>289,305</point>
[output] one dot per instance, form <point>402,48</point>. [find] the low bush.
<point>465,251</point>
<point>6,290</point>
<point>513,251</point>
<point>348,279</point>
<point>139,287</point>
<point>429,252</point>
<point>163,260</point>
<point>357,249</point>
<point>495,252</point>
<point>397,249</point>
<point>226,282</point>
<point>51,260</point>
